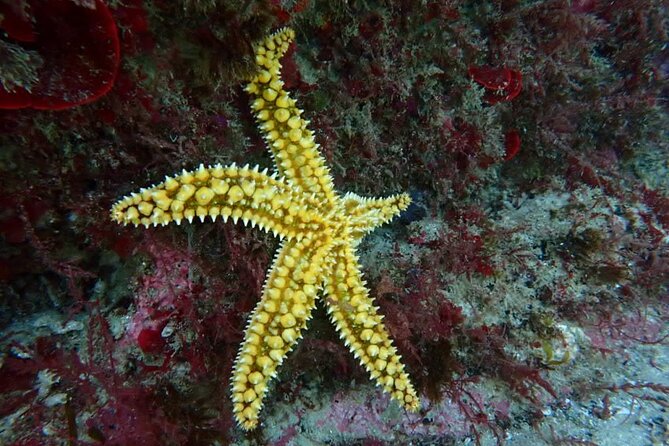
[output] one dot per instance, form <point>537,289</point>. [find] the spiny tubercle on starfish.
<point>320,231</point>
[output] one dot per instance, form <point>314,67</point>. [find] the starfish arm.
<point>361,327</point>
<point>229,192</point>
<point>276,324</point>
<point>369,213</point>
<point>292,144</point>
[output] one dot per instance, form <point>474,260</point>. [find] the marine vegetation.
<point>511,285</point>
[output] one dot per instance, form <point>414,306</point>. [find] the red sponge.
<point>79,44</point>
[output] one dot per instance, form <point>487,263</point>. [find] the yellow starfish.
<point>320,231</point>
